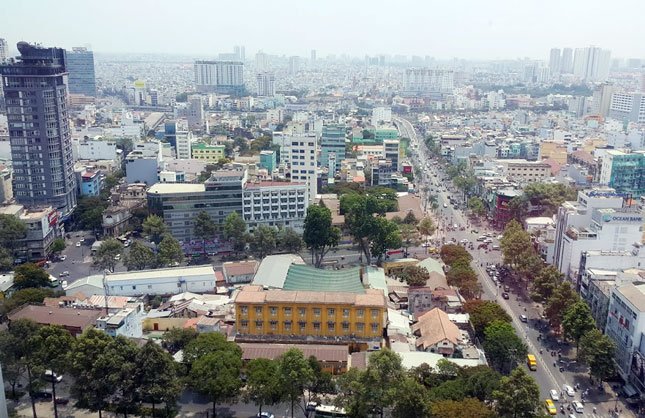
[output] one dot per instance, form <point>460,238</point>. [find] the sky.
<point>469,29</point>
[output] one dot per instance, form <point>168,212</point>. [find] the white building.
<point>195,112</point>
<point>303,160</point>
<point>184,145</point>
<point>96,149</point>
<point>276,204</point>
<point>126,322</point>
<point>381,115</point>
<point>266,84</point>
<point>591,63</point>
<point>169,281</point>
<point>628,107</point>
<point>219,76</point>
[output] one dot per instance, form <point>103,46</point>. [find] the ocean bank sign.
<point>622,218</point>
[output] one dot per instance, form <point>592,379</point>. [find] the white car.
<point>78,244</point>
<point>64,284</point>
<point>579,408</point>
<point>555,395</point>
<point>81,240</point>
<point>568,390</point>
<point>62,257</point>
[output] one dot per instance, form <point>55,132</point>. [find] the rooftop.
<point>435,326</point>
<point>51,315</point>
<point>635,294</point>
<point>173,272</point>
<point>240,268</point>
<point>326,353</point>
<point>256,294</point>
<point>303,277</point>
<point>273,269</point>
<point>168,188</point>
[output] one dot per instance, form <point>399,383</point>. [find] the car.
<point>64,284</point>
<point>488,241</point>
<point>524,318</point>
<point>568,390</point>
<point>550,407</point>
<point>81,240</point>
<point>126,244</point>
<point>42,395</point>
<point>578,407</point>
<point>78,244</point>
<point>425,244</point>
<point>117,257</point>
<point>505,295</point>
<point>480,239</point>
<point>265,415</point>
<point>62,401</point>
<point>445,205</point>
<point>49,376</point>
<point>64,274</point>
<point>554,395</point>
<point>464,241</point>
<point>62,257</point>
<point>507,288</point>
<point>495,247</point>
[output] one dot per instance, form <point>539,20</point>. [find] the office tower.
<point>184,145</point>
<point>542,74</point>
<point>224,77</point>
<point>240,53</point>
<point>4,49</point>
<point>566,63</point>
<point>294,65</point>
<point>41,148</point>
<point>602,99</point>
<point>332,147</point>
<point>170,132</point>
<point>195,112</point>
<point>266,84</point>
<point>80,66</point>
<point>391,151</point>
<point>261,61</point>
<point>313,56</point>
<point>628,107</point>
<point>530,73</point>
<point>139,93</point>
<point>303,162</point>
<point>555,61</point>
<point>154,97</point>
<point>592,64</point>
<point>424,80</point>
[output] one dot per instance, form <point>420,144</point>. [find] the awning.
<point>629,390</point>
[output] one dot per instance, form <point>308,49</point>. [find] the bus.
<point>531,362</point>
<point>328,411</point>
<point>53,281</point>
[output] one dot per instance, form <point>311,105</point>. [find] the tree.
<point>155,377</point>
<point>6,259</point>
<point>58,245</point>
<point>30,275</point>
<point>410,219</point>
<point>476,206</point>
<point>460,273</point>
<point>381,378</point>
<point>515,243</point>
<point>211,342</point>
<point>12,367</point>
<point>139,257</point>
<point>264,240</point>
<point>544,283</point>
<point>503,347</point>
<point>453,253</point>
<point>235,231</point>
<point>319,234</point>
<point>294,375</point>
<point>412,400</point>
<point>409,236</point>
<point>483,313</point>
<point>384,235</point>
<point>106,255</point>
<point>289,240</point>
<point>480,382</point>
<point>53,345</point>
<point>89,212</point>
<point>598,351</point>
<point>25,351</point>
<point>577,321</point>
<point>241,144</point>
<point>217,375</point>
<point>426,227</point>
<point>415,275</point>
<point>518,396</point>
<point>155,228</point>
<point>563,296</point>
<point>204,228</point>
<point>23,297</point>
<point>176,339</point>
<point>263,382</point>
<point>321,382</point>
<point>463,408</point>
<point>12,230</point>
<point>124,396</point>
<point>169,251</point>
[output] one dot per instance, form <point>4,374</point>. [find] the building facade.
<point>303,161</point>
<point>392,152</point>
<point>224,77</point>
<point>624,172</point>
<point>276,204</point>
<point>210,153</point>
<point>35,91</point>
<point>332,147</point>
<point>80,66</point>
<point>179,204</point>
<point>628,107</point>
<point>266,84</point>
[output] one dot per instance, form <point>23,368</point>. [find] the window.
<point>375,328</point>
<point>317,326</point>
<point>244,310</point>
<point>244,324</point>
<point>359,313</point>
<point>274,325</point>
<point>345,313</point>
<point>258,310</point>
<point>374,313</point>
<point>331,326</point>
<point>287,311</point>
<point>346,326</point>
<point>287,326</point>
<point>302,312</point>
<point>317,312</point>
<point>273,310</point>
<point>258,324</point>
<point>302,325</point>
<point>360,326</point>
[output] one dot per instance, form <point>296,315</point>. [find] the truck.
<point>531,362</point>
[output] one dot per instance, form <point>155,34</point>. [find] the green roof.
<point>301,277</point>
<point>375,277</point>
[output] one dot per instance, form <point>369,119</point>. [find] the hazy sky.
<point>488,29</point>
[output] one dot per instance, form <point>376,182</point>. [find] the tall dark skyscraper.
<point>80,66</point>
<point>35,91</point>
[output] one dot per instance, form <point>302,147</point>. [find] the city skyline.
<point>476,31</point>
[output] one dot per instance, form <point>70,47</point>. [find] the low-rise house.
<point>332,358</point>
<point>436,333</point>
<point>236,272</point>
<point>74,320</point>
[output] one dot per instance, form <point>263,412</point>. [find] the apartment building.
<point>303,161</point>
<point>278,204</point>
<point>527,171</point>
<point>290,316</point>
<point>210,153</point>
<point>42,229</point>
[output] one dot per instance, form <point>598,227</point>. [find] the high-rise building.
<point>304,163</point>
<point>80,66</point>
<point>425,80</point>
<point>592,63</point>
<point>224,77</point>
<point>391,151</point>
<point>332,147</point>
<point>41,148</point>
<point>566,64</point>
<point>261,61</point>
<point>602,99</point>
<point>555,61</point>
<point>240,53</point>
<point>266,84</point>
<point>294,64</point>
<point>4,49</point>
<point>313,56</point>
<point>627,107</point>
<point>195,112</point>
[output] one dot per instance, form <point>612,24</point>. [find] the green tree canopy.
<point>577,321</point>
<point>503,347</point>
<point>518,396</point>
<point>263,382</point>
<point>516,243</point>
<point>319,234</point>
<point>139,257</point>
<point>264,241</point>
<point>289,240</point>
<point>89,212</point>
<point>58,245</point>
<point>384,235</point>
<point>155,228</point>
<point>453,253</point>
<point>235,231</point>
<point>463,408</point>
<point>155,377</point>
<point>169,251</point>
<point>176,339</point>
<point>105,257</point>
<point>12,230</point>
<point>30,275</point>
<point>476,206</point>
<point>598,351</point>
<point>426,227</point>
<point>544,283</point>
<point>415,275</point>
<point>295,374</point>
<point>483,313</point>
<point>562,298</point>
<point>204,227</point>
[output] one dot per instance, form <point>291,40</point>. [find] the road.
<point>547,375</point>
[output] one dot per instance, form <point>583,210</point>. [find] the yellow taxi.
<point>550,407</point>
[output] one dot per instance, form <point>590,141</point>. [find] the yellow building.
<point>210,153</point>
<point>557,151</point>
<point>291,316</point>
